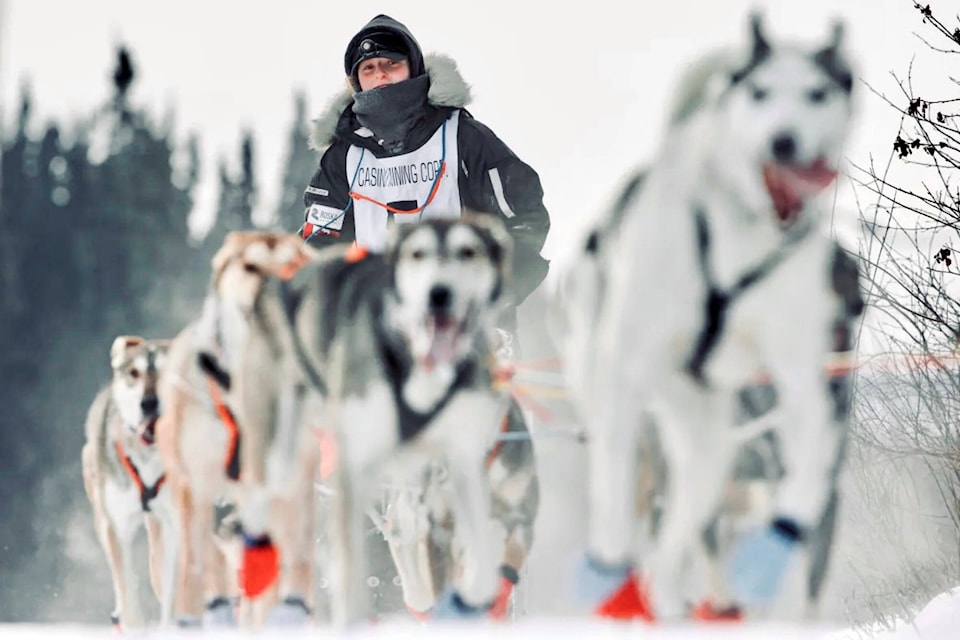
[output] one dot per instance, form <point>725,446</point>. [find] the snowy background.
<point>578,93</point>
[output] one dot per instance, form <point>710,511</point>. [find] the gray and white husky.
<point>125,478</point>
<point>397,354</point>
<point>712,267</point>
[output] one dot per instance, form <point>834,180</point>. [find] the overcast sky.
<point>578,93</point>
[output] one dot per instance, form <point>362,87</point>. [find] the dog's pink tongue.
<point>148,430</point>
<point>443,341</point>
<point>790,185</point>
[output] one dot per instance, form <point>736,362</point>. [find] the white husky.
<point>710,271</point>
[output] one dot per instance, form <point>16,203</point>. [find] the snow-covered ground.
<point>527,629</point>
<point>551,628</point>
<point>938,620</point>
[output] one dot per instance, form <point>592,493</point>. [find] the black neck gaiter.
<point>392,110</point>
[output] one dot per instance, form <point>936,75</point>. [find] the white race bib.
<point>405,182</point>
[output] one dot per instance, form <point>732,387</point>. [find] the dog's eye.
<point>134,374</point>
<point>250,268</point>
<point>816,96</point>
<point>758,94</point>
<point>466,253</point>
<point>418,254</point>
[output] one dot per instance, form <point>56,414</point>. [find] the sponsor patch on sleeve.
<point>329,218</point>
<point>317,191</point>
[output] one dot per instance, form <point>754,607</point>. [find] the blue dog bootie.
<point>611,591</point>
<point>760,559</point>
<point>595,582</point>
<point>450,606</point>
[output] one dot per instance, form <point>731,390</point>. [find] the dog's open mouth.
<point>790,185</point>
<point>443,332</point>
<point>148,428</point>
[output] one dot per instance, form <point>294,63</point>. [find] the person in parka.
<point>399,146</point>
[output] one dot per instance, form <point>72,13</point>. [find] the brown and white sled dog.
<point>201,436</point>
<point>124,477</point>
<point>418,521</point>
<point>713,269</point>
<point>396,352</point>
<point>280,450</point>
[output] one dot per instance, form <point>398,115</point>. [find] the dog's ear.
<point>395,235</point>
<point>498,241</point>
<point>831,60</point>
<point>836,35</point>
<point>832,48</point>
<point>760,46</point>
<point>233,244</point>
<point>121,347</point>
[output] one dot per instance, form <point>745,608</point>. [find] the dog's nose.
<point>440,297</point>
<point>149,404</point>
<point>784,147</point>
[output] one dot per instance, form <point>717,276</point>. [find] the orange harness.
<point>146,493</point>
<point>498,445</point>
<point>232,461</point>
<point>501,376</point>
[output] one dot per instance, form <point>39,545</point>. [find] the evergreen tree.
<point>237,197</point>
<point>88,250</point>
<point>301,164</point>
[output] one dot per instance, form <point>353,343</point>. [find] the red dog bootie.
<point>259,566</point>
<point>629,602</point>
<point>706,612</point>
<point>509,577</point>
<point>421,616</point>
<point>613,591</point>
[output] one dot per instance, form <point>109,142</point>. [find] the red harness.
<point>146,493</point>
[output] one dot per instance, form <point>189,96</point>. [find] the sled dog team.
<point>712,494</point>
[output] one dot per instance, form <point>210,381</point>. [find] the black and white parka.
<point>480,173</point>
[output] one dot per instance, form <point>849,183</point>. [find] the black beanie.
<point>383,37</point>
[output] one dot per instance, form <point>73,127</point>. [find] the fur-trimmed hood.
<point>447,89</point>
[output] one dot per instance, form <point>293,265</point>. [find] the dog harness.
<point>231,462</point>
<point>146,493</point>
<point>718,300</point>
<point>412,422</point>
<point>218,378</point>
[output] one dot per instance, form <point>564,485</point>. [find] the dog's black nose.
<point>440,297</point>
<point>784,147</point>
<point>149,404</point>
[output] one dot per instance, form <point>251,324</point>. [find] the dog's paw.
<point>293,611</point>
<point>450,606</point>
<point>759,561</point>
<point>219,613</point>
<point>611,591</point>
